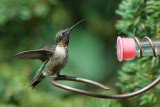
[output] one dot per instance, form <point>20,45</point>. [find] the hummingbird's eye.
<point>63,33</point>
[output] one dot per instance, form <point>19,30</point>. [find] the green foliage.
<point>140,18</point>
<point>152,18</point>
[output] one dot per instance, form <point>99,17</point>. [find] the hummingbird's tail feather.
<point>36,80</point>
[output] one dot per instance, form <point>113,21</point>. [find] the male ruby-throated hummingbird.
<point>54,56</point>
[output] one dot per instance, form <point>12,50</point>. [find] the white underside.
<point>44,73</point>
<point>60,51</point>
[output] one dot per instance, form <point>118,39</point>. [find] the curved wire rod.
<point>63,77</point>
<point>152,46</point>
<point>139,45</point>
<point>88,93</point>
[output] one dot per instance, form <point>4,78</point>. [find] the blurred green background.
<point>29,24</point>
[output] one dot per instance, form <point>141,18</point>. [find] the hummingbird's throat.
<point>62,44</point>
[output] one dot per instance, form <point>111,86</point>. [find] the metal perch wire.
<point>93,94</point>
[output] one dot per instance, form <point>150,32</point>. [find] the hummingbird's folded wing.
<point>43,53</point>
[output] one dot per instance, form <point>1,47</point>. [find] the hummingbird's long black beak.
<point>76,24</point>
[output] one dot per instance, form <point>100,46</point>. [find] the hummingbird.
<point>54,57</point>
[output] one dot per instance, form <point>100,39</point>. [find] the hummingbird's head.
<point>62,37</point>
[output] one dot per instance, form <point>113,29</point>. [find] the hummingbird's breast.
<point>61,52</point>
<point>57,61</point>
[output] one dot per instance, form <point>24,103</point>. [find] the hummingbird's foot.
<point>58,75</point>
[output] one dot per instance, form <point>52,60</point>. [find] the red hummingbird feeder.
<point>131,47</point>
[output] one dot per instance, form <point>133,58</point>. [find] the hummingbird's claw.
<point>58,75</point>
